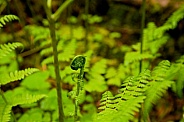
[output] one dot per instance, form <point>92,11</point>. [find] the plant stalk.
<point>86,21</point>
<point>143,11</point>
<point>76,118</point>
<point>56,62</point>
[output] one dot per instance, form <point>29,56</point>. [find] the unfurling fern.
<point>7,18</point>
<point>5,49</point>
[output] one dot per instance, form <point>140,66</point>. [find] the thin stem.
<point>76,118</point>
<point>142,30</point>
<point>56,63</point>
<point>86,21</point>
<point>141,47</point>
<point>55,16</point>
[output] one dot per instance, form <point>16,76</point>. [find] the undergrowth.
<point>134,90</point>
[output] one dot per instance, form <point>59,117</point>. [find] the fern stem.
<point>56,62</point>
<point>142,30</point>
<point>76,118</point>
<point>141,47</point>
<point>86,21</point>
<point>55,16</point>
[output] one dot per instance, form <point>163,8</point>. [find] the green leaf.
<point>37,81</point>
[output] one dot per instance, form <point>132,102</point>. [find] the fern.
<point>131,57</point>
<point>123,106</point>
<point>7,18</point>
<point>17,75</point>
<point>65,53</point>
<point>176,74</point>
<point>153,38</point>
<point>158,86</point>
<point>95,77</point>
<point>5,108</point>
<point>6,49</point>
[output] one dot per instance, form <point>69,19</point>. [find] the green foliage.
<point>176,74</point>
<point>153,39</point>
<point>14,76</point>
<point>96,80</point>
<point>125,103</point>
<point>128,90</point>
<point>147,88</point>
<point>158,87</point>
<point>6,49</point>
<point>11,100</point>
<point>7,18</point>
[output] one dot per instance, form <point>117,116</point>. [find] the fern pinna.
<point>10,100</point>
<point>146,88</point>
<point>7,18</point>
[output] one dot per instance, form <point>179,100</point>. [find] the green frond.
<point>176,73</point>
<point>155,91</point>
<point>131,57</point>
<point>125,104</point>
<point>95,76</point>
<point>158,86</point>
<point>65,53</point>
<point>106,101</point>
<point>17,75</point>
<point>127,108</point>
<point>161,71</point>
<point>5,112</point>
<point>5,109</point>
<point>68,51</point>
<point>25,99</point>
<point>7,18</point>
<point>175,18</point>
<point>38,33</point>
<point>5,49</point>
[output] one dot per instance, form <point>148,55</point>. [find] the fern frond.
<point>25,99</point>
<point>5,49</point>
<point>17,75</point>
<point>176,73</point>
<point>171,23</point>
<point>131,57</point>
<point>65,53</point>
<point>68,51</point>
<point>158,86</point>
<point>5,112</point>
<point>96,80</point>
<point>106,101</point>
<point>7,18</point>
<point>5,109</point>
<point>125,104</point>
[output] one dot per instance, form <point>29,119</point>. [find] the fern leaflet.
<point>7,18</point>
<point>17,75</point>
<point>5,49</point>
